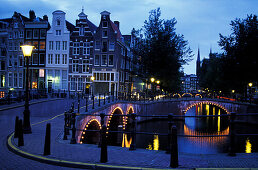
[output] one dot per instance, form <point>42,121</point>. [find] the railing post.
<point>108,97</point>
<point>104,98</point>
<point>232,151</point>
<point>99,99</point>
<point>16,129</point>
<point>47,140</point>
<point>20,134</point>
<point>174,148</point>
<point>133,132</point>
<point>86,105</point>
<point>103,154</point>
<point>73,140</point>
<point>170,123</point>
<point>78,102</point>
<point>93,98</point>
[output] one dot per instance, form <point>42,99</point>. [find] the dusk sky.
<point>200,21</point>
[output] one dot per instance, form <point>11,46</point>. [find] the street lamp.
<point>157,81</point>
<point>27,50</point>
<point>250,91</point>
<point>250,84</point>
<point>92,78</point>
<point>152,79</point>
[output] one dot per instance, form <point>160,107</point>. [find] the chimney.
<point>32,15</point>
<point>117,24</point>
<point>45,18</point>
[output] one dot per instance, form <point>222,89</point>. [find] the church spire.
<point>198,63</point>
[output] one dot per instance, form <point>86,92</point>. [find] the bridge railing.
<point>131,119</point>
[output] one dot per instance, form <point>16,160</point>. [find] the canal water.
<point>201,126</point>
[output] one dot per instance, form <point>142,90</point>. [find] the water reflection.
<point>248,146</point>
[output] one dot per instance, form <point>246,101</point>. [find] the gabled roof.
<point>92,26</point>
<point>69,26</point>
<point>114,27</point>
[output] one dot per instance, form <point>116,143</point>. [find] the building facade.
<point>3,57</point>
<point>57,53</point>
<point>81,55</point>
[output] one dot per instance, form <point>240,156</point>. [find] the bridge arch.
<point>115,123</point>
<point>206,102</point>
<point>196,95</point>
<point>176,95</point>
<point>187,94</point>
<point>90,137</point>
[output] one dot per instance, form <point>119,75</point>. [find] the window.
<point>76,48</point>
<point>20,79</point>
<point>75,66</point>
<point>15,46</point>
<point>15,62</point>
<point>104,24</point>
<point>15,80</point>
<point>57,45</point>
<point>111,46</point>
<point>111,60</point>
<point>10,78</point>
<point>58,22</point>
<point>85,66</point>
<point>104,46</point>
<point>64,58</point>
<point>104,34</point>
<point>97,47</point>
<point>112,76</point>
<point>2,65</point>
<point>10,35</point>
<point>73,83</point>
<point>36,44</point>
<point>64,79</point>
<point>35,59</point>
<point>58,32</point>
<point>42,45</point>
<point>10,46</point>
<point>64,45</point>
<point>86,48</point>
<point>10,61</point>
<point>104,60</point>
<point>28,34</point>
<point>81,31</point>
<point>43,34</point>
<point>50,58</point>
<point>21,34</point>
<point>15,35</point>
<point>41,59</point>
<point>96,60</point>
<point>2,81</point>
<point>36,33</point>
<point>57,79</point>
<point>57,59</point>
<point>20,60</point>
<point>51,45</point>
<point>80,84</point>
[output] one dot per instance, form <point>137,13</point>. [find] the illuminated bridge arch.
<point>187,94</point>
<point>176,94</point>
<point>196,95</point>
<point>115,123</point>
<point>207,102</point>
<point>90,137</point>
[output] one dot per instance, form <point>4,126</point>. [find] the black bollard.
<point>93,102</point>
<point>103,154</point>
<point>133,132</point>
<point>170,123</point>
<point>232,151</point>
<point>73,140</point>
<point>65,126</point>
<point>47,140</point>
<point>102,116</point>
<point>20,137</point>
<point>16,130</point>
<point>174,148</point>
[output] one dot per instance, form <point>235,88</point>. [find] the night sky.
<point>200,21</point>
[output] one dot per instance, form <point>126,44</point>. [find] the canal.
<point>195,126</point>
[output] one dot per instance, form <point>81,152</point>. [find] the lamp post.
<point>27,50</point>
<point>152,84</point>
<point>92,78</point>
<point>250,91</point>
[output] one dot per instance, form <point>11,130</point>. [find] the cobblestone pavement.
<point>85,153</point>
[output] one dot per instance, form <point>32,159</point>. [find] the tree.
<point>161,51</point>
<point>240,49</point>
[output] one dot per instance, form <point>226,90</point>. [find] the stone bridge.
<point>162,107</point>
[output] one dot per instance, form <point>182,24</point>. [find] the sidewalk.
<point>88,156</point>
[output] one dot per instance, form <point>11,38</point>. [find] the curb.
<point>65,163</point>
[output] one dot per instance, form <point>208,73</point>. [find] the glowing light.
<point>125,142</point>
<point>92,78</point>
<point>156,142</point>
<point>219,121</point>
<point>149,147</point>
<point>152,79</point>
<point>233,91</point>
<point>250,84</point>
<point>248,146</point>
<point>157,81</point>
<point>207,109</point>
<point>27,50</point>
